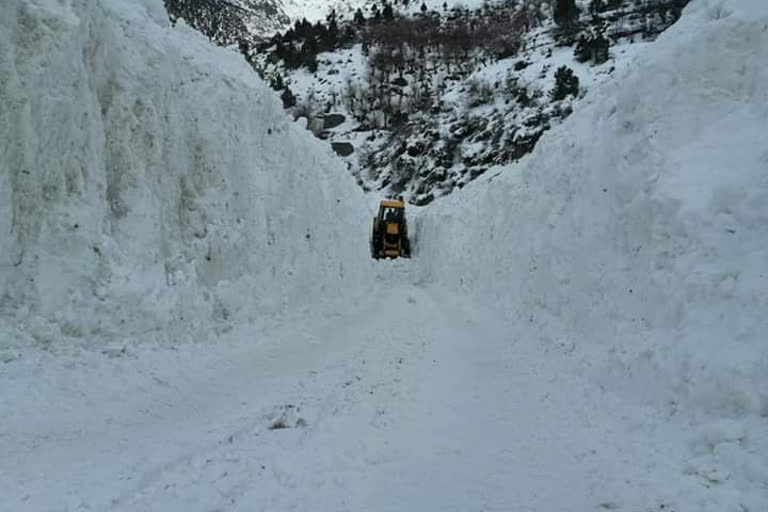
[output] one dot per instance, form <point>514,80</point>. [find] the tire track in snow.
<point>357,382</point>
<point>419,400</point>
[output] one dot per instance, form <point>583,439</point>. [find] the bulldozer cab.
<point>389,238</point>
<point>390,213</point>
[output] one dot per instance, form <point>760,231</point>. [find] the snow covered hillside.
<point>150,185</point>
<point>421,102</point>
<point>317,10</point>
<point>636,237</point>
<point>228,22</point>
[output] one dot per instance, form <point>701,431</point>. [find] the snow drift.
<point>150,184</point>
<point>638,230</point>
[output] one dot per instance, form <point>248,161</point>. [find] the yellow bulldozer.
<point>390,231</point>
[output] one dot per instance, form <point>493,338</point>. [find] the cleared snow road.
<point>413,400</point>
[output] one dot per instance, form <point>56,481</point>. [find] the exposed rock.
<point>331,121</point>
<point>343,148</point>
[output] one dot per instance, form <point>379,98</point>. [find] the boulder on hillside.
<point>343,148</point>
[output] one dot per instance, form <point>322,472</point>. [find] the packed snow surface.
<point>190,320</point>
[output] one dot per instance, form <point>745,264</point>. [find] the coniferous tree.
<point>387,13</point>
<point>298,29</point>
<point>318,31</point>
<point>600,45</point>
<point>289,100</point>
<point>596,7</point>
<point>423,8</point>
<point>359,18</point>
<point>279,50</point>
<point>331,36</point>
<point>242,46</point>
<point>308,54</point>
<point>582,52</point>
<point>349,35</point>
<point>566,12</point>
<point>594,48</point>
<point>566,83</point>
<point>276,82</point>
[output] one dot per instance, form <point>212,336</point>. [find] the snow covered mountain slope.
<point>317,10</point>
<point>421,104</point>
<point>228,22</point>
<point>150,185</point>
<point>637,235</point>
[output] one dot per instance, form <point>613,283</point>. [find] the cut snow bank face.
<point>639,228</point>
<point>150,184</point>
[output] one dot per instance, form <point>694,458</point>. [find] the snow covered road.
<point>415,400</point>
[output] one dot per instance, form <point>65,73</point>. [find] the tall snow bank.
<point>639,230</point>
<point>150,185</point>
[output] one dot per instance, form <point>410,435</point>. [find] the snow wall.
<point>151,185</point>
<point>638,230</point>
